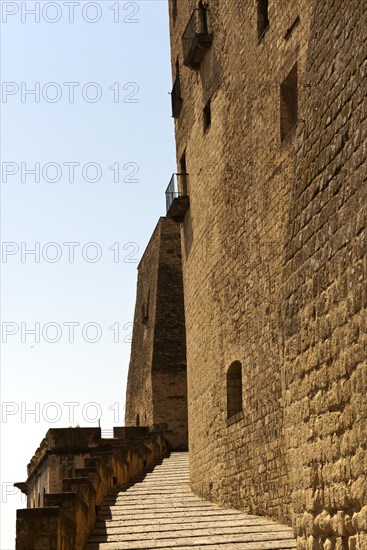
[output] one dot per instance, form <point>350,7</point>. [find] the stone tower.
<point>269,101</point>
<point>157,387</point>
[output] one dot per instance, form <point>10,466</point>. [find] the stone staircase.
<point>160,512</point>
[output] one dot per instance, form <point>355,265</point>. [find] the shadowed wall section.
<point>157,386</point>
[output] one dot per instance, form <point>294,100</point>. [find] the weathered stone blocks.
<point>296,317</point>
<point>157,382</point>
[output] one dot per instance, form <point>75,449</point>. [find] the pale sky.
<point>85,160</point>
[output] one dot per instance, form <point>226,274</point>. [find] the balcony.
<point>196,39</point>
<point>176,97</point>
<point>177,200</point>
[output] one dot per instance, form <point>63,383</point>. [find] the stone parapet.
<point>41,528</point>
<point>84,471</point>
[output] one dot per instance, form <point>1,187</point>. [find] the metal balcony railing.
<point>172,190</point>
<point>196,39</point>
<point>176,97</point>
<point>177,200</point>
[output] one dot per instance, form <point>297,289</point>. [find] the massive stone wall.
<point>275,263</point>
<point>324,288</point>
<point>139,393</point>
<point>157,383</point>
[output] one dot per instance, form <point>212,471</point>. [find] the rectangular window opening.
<point>289,103</point>
<point>234,390</point>
<point>176,98</point>
<point>207,112</point>
<point>262,17</point>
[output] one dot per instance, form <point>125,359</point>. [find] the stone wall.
<point>274,263</point>
<point>324,289</point>
<point>57,457</point>
<point>63,504</point>
<point>157,385</point>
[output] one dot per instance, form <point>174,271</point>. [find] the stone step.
<point>163,522</point>
<point>176,539</point>
<point>131,533</point>
<point>184,523</point>
<point>156,507</point>
<point>200,542</point>
<point>150,515</point>
<point>149,502</point>
<point>268,545</point>
<point>154,491</point>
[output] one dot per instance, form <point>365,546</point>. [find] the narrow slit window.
<point>145,310</point>
<point>234,389</point>
<point>262,17</point>
<point>174,10</point>
<point>289,103</point>
<point>183,170</point>
<point>176,97</point>
<point>207,116</point>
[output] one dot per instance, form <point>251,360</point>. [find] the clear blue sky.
<point>55,292</point>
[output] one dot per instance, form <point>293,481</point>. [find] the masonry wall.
<point>157,381</point>
<point>169,354</point>
<point>60,453</point>
<point>139,392</point>
<point>324,288</point>
<point>274,263</point>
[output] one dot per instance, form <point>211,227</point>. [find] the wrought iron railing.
<point>196,38</point>
<point>174,190</point>
<point>176,97</point>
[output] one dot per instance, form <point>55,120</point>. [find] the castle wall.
<point>169,354</point>
<point>274,261</point>
<point>139,392</point>
<point>324,289</point>
<point>157,382</point>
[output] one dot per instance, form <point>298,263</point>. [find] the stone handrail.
<point>67,517</point>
